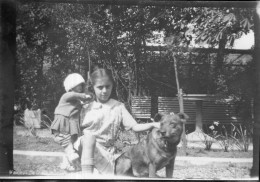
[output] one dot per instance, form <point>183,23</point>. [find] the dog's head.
<point>171,126</point>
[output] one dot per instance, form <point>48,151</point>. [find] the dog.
<point>157,151</point>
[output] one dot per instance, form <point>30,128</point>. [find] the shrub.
<point>241,137</point>
<point>31,130</point>
<point>46,121</point>
<point>211,135</point>
<point>225,141</point>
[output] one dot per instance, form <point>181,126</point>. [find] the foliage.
<point>236,83</point>
<point>210,25</point>
<point>228,76</point>
<point>239,136</point>
<point>225,141</point>
<point>211,135</point>
<point>54,40</point>
<point>31,130</point>
<point>46,121</point>
<point>242,137</point>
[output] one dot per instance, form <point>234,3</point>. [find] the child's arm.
<point>130,123</point>
<point>69,96</point>
<point>145,127</point>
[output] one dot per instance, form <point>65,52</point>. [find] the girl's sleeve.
<point>69,96</point>
<point>127,119</point>
<point>87,118</point>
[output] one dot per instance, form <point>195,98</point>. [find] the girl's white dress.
<point>103,121</point>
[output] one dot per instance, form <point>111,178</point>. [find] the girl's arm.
<point>69,96</point>
<point>144,127</point>
<point>130,123</point>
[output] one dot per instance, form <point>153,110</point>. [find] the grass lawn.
<point>46,143</point>
<point>44,165</point>
<point>23,141</point>
<point>49,166</point>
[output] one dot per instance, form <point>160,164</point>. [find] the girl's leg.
<point>88,144</point>
<point>70,162</point>
<point>69,149</point>
<point>71,153</point>
<point>63,139</point>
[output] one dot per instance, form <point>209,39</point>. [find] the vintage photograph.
<point>130,90</point>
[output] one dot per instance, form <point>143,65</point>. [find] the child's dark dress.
<point>66,119</point>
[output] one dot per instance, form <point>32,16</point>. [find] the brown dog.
<point>158,150</point>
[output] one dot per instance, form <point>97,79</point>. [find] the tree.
<point>215,27</point>
<point>57,39</point>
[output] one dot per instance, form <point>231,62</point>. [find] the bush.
<point>211,135</point>
<point>241,137</point>
<point>31,130</point>
<point>225,141</point>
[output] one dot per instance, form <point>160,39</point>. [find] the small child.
<point>66,126</point>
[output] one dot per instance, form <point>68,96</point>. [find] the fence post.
<point>180,98</point>
<point>184,140</point>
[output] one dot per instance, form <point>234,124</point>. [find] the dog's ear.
<point>183,117</point>
<point>157,117</point>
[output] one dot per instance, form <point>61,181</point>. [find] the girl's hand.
<point>156,125</point>
<point>88,98</point>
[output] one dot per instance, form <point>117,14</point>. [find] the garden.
<point>193,163</point>
<point>153,51</point>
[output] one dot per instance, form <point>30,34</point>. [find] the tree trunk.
<point>41,82</point>
<point>89,63</point>
<point>137,54</point>
<point>220,58</point>
<point>220,54</point>
<point>7,73</point>
<point>256,133</point>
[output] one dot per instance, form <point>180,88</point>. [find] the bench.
<point>141,107</point>
<point>225,113</point>
<point>212,111</point>
<point>141,110</point>
<point>171,104</point>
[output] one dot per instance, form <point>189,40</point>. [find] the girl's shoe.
<point>70,167</point>
<point>74,161</point>
<point>65,165</point>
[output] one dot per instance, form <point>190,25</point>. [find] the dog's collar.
<point>163,151</point>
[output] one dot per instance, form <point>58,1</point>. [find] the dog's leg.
<point>123,166</point>
<point>152,170</point>
<point>169,169</point>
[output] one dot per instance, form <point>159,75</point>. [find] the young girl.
<point>66,126</point>
<point>101,123</point>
